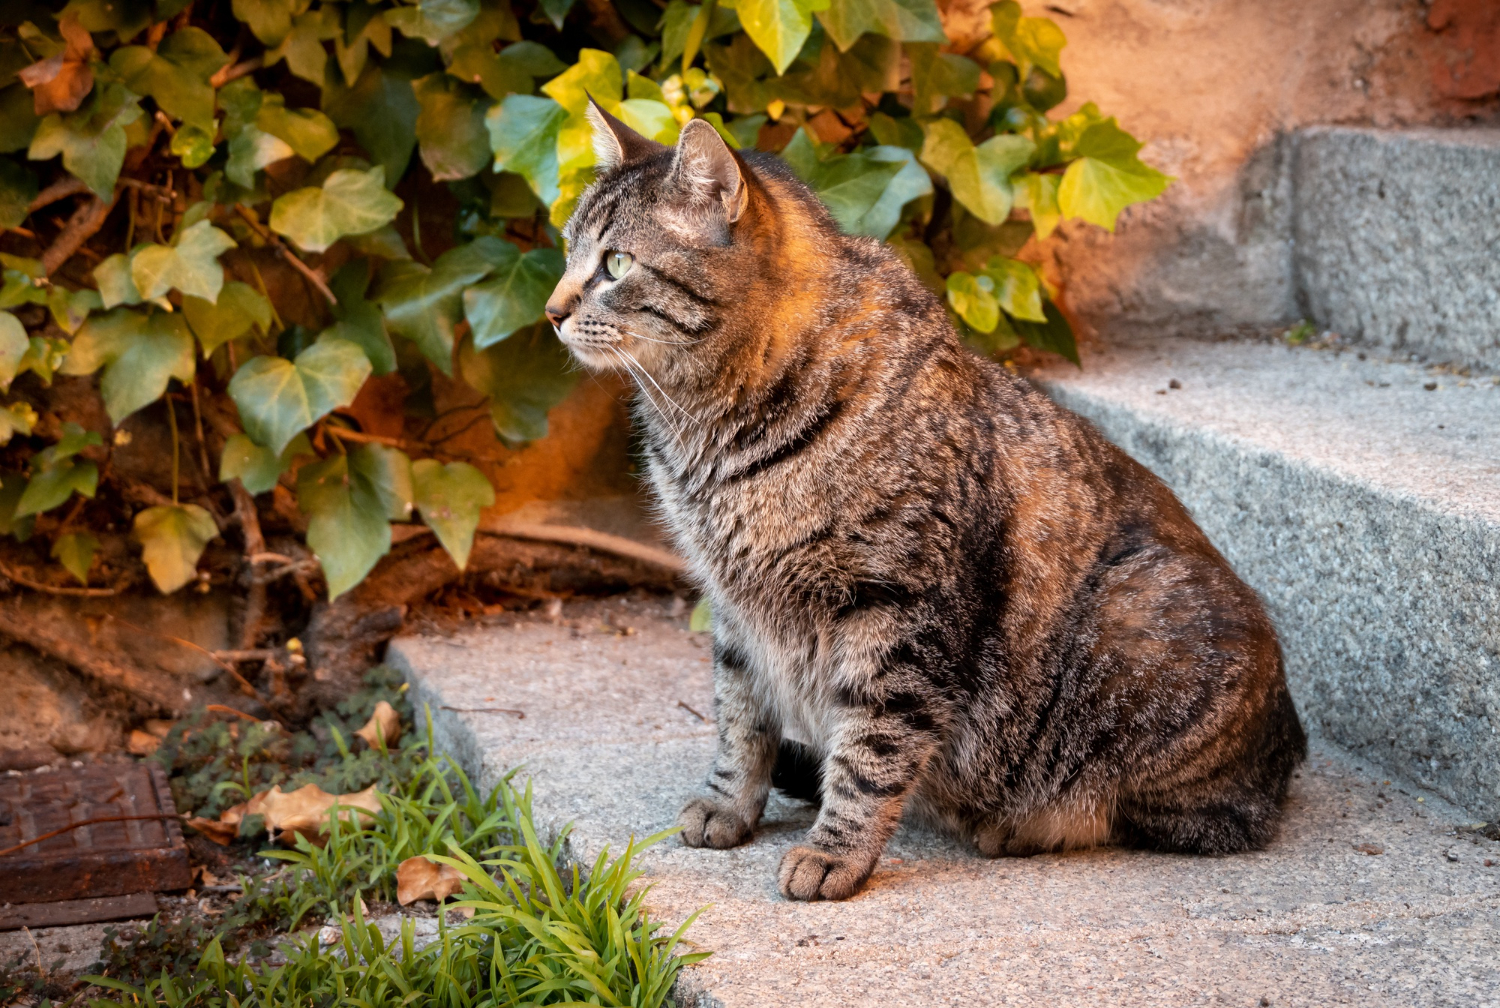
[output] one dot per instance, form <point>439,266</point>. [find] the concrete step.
<point>1361,498</point>
<point>616,736</point>
<point>1397,238</point>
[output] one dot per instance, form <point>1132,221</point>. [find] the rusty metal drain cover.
<point>142,853</point>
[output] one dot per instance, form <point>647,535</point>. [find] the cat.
<point>935,592</point>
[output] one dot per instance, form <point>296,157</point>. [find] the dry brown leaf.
<point>417,878</point>
<point>161,729</point>
<point>221,833</point>
<point>59,83</point>
<point>384,723</point>
<point>305,811</point>
<point>142,744</point>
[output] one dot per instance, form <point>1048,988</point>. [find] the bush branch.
<point>276,243</point>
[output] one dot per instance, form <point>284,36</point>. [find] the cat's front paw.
<point>808,873</point>
<point>705,823</point>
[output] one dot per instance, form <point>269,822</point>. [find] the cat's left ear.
<point>614,142</point>
<point>707,170</point>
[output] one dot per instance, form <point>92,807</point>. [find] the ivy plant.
<point>191,135</point>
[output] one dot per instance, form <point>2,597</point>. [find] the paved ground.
<point>1376,894</point>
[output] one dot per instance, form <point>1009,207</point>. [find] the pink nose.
<point>556,316</point>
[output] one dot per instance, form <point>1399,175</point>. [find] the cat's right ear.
<point>614,142</point>
<point>707,170</point>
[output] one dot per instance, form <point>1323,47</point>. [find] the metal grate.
<point>103,859</point>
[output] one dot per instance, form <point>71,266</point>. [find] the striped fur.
<point>957,597</point>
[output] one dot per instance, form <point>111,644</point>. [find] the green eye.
<point>617,264</point>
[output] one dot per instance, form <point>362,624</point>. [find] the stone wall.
<point>1215,87</point>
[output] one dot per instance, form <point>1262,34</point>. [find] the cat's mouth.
<point>591,351</point>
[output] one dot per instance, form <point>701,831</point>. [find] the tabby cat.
<point>934,591</point>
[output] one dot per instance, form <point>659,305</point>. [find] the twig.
<point>520,715</point>
<point>56,589</point>
<point>85,822</point>
<point>690,710</point>
<point>70,186</point>
<point>234,71</point>
<point>343,434</point>
<point>244,684</point>
<point>572,536</point>
<point>83,225</point>
<point>86,660</point>
<point>285,253</point>
<point>255,544</point>
<point>218,708</point>
<point>246,654</point>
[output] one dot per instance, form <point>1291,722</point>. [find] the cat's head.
<point>658,248</point>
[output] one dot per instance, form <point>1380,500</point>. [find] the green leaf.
<point>779,27</point>
<point>13,346</point>
<point>514,297</point>
<point>278,398</point>
<point>865,190</point>
<point>937,76</point>
<point>348,529</point>
<point>191,265</point>
<point>139,352</point>
<point>450,498</point>
<point>92,140</point>
<point>176,75</point>
<point>974,300</point>
<point>17,190</point>
<point>1032,41</point>
<point>702,618</point>
<point>556,11</point>
<point>255,467</point>
<point>1037,193</point>
<point>239,308</point>
<point>523,132</point>
<point>1107,176</point>
<point>902,20</point>
<point>1018,289</point>
<point>70,308</point>
<point>115,284</point>
<point>349,202</point>
<point>450,129</point>
<point>524,376</point>
<point>12,487</point>
<point>432,21</point>
<point>251,150</point>
<point>424,305</point>
<point>308,132</point>
<point>302,48</point>
<point>1055,335</point>
<point>75,551</point>
<point>492,71</point>
<point>381,109</point>
<point>18,119</point>
<point>56,472</point>
<point>270,20</point>
<point>979,177</point>
<point>17,418</point>
<point>172,538</point>
<point>358,320</point>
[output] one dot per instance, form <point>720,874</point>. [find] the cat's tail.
<point>798,772</point>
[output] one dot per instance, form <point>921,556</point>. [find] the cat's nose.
<point>556,315</point>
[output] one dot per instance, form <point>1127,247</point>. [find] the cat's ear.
<point>614,142</point>
<point>707,170</point>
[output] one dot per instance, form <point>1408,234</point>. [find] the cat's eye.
<point>617,264</point>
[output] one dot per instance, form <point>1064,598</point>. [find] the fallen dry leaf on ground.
<point>59,83</point>
<point>142,743</point>
<point>385,724</point>
<point>420,879</point>
<point>221,833</point>
<point>303,811</point>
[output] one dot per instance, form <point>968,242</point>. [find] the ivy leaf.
<point>348,529</point>
<point>176,75</point>
<point>359,321</point>
<point>172,537</point>
<point>1055,335</point>
<point>75,551</point>
<point>115,284</point>
<point>92,140</point>
<point>239,308</point>
<point>308,132</point>
<point>56,472</point>
<point>1037,193</point>
<point>432,21</point>
<point>974,300</point>
<point>516,296</point>
<point>349,202</point>
<point>278,398</point>
<point>302,48</point>
<point>381,109</point>
<point>270,20</point>
<point>17,418</point>
<point>865,190</point>
<point>450,128</point>
<point>450,498</point>
<point>902,20</point>
<point>139,352</point>
<point>937,76</point>
<point>424,305</point>
<point>191,265</point>
<point>255,467</point>
<point>596,73</point>
<point>17,190</point>
<point>479,64</point>
<point>18,118</point>
<point>1107,176</point>
<point>1017,288</point>
<point>60,82</point>
<point>979,177</point>
<point>387,472</point>
<point>1032,41</point>
<point>779,27</point>
<point>702,617</point>
<point>13,346</point>
<point>12,487</point>
<point>251,150</point>
<point>523,136</point>
<point>524,376</point>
